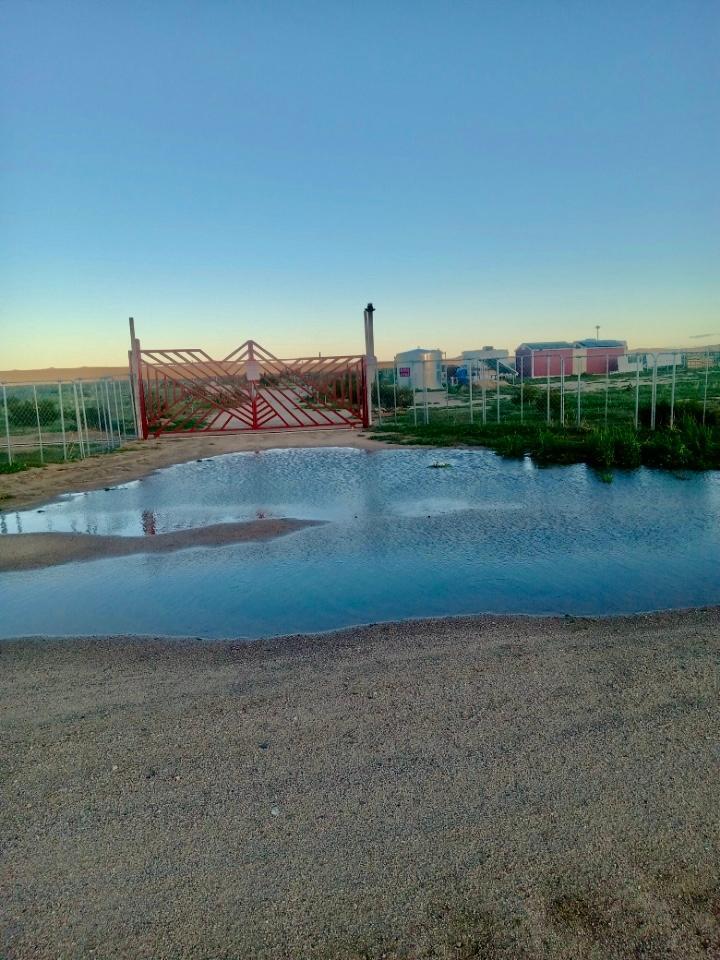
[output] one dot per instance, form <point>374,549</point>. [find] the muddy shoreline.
<point>33,551</point>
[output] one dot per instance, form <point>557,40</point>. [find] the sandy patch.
<point>137,459</point>
<point>27,551</point>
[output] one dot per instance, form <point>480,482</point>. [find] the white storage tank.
<point>420,369</point>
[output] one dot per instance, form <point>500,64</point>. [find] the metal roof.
<point>592,342</point>
<point>548,345</point>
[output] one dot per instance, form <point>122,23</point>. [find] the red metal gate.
<point>187,391</point>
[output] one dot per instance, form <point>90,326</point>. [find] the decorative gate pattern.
<point>186,391</point>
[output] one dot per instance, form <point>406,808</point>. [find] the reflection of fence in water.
<point>641,389</point>
<point>64,420</point>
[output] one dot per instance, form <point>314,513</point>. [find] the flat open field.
<point>482,787</point>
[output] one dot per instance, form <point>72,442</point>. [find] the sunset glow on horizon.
<point>484,173</point>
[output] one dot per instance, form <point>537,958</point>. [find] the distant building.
<point>549,358</point>
<point>420,369</point>
<point>598,356</point>
<point>485,353</point>
<point>560,357</point>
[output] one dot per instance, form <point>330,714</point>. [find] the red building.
<point>544,359</point>
<point>599,356</point>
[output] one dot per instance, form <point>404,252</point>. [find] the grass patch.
<point>688,445</point>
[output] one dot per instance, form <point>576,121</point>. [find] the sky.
<point>484,172</point>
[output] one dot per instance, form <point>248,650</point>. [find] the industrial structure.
<point>420,369</point>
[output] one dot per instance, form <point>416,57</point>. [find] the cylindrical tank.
<point>420,369</point>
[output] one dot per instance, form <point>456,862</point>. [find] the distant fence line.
<point>64,420</point>
<point>642,389</point>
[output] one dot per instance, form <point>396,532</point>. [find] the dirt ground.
<point>517,788</point>
<point>137,459</point>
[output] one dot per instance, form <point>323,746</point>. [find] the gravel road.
<point>527,789</point>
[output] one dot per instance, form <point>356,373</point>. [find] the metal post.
<point>62,420</point>
<point>134,378</point>
<point>484,404</point>
<point>370,355</point>
<point>109,410</point>
<point>470,385</point>
<point>637,391</point>
<point>707,373</point>
<point>133,408</point>
<point>78,422</point>
<point>562,391</point>
<point>425,392</point>
<point>37,417</point>
<point>497,389</point>
<point>447,394</point>
<point>100,419</point>
<point>607,386</point>
<point>579,392</point>
<point>7,425</point>
<point>395,380</point>
<point>84,417</point>
<point>414,391</point>
<point>118,407</point>
<point>653,402</point>
<point>547,369</point>
<point>672,394</point>
<point>522,389</point>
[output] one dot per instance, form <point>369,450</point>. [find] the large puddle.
<point>402,540</point>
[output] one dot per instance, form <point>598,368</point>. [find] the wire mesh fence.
<point>559,388</point>
<point>65,420</point>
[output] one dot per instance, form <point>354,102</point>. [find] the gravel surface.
<point>480,787</point>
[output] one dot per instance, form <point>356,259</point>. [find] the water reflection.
<point>403,540</point>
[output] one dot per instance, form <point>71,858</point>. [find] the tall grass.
<point>688,445</point>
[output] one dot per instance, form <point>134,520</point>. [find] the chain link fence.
<point>642,390</point>
<point>65,420</point>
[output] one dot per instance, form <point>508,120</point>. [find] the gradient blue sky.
<point>485,172</point>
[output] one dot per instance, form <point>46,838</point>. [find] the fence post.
<point>653,401</point>
<point>395,379</point>
<point>100,414</point>
<point>425,392</point>
<point>78,422</point>
<point>672,393</point>
<point>637,391</point>
<point>470,385</point>
<point>62,420</point>
<point>522,389</point>
<point>109,410</point>
<point>562,391</point>
<point>579,391</point>
<point>120,424</point>
<point>7,425</point>
<point>37,417</point>
<point>497,389</point>
<point>414,390</point>
<point>84,417</point>
<point>607,386</point>
<point>133,409</point>
<point>707,373</point>
<point>484,396</point>
<point>547,369</point>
